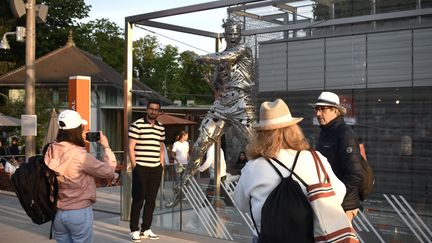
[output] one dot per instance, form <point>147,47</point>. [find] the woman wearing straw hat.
<point>277,135</point>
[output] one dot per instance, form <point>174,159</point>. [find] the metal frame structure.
<point>282,19</point>
<point>147,20</point>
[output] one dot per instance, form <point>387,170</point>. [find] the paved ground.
<point>16,226</point>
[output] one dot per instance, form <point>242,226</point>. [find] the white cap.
<point>70,119</point>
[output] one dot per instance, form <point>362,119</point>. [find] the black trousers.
<point>145,186</point>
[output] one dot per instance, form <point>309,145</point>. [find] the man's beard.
<point>151,116</point>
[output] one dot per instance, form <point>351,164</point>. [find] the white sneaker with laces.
<point>148,234</point>
<point>135,236</point>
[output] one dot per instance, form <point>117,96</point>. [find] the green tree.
<point>145,51</point>
<point>103,38</point>
<point>168,72</point>
<point>62,17</point>
<point>15,108</point>
<point>190,78</point>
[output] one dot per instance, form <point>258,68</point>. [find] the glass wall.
<point>396,129</point>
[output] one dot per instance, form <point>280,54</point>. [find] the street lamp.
<point>20,35</point>
<point>18,8</point>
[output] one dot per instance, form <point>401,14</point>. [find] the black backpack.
<point>36,187</point>
<point>286,215</point>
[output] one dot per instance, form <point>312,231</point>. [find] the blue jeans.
<point>74,226</point>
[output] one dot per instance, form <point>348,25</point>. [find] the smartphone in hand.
<point>93,136</point>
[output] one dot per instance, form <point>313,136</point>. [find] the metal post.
<point>217,172</point>
<point>30,74</point>
<point>126,187</point>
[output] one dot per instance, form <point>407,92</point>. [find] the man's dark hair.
<point>73,136</point>
<point>153,102</point>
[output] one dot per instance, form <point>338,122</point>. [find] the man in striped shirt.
<point>146,152</point>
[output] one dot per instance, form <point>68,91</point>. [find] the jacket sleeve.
<point>101,169</point>
<point>349,153</point>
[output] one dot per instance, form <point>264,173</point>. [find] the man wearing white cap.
<point>338,142</point>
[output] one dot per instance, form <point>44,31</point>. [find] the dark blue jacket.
<point>338,142</point>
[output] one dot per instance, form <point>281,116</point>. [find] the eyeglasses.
<point>321,108</point>
<point>151,109</point>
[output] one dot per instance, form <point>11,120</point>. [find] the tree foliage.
<point>16,107</point>
<point>162,68</point>
<point>103,38</point>
<point>169,72</point>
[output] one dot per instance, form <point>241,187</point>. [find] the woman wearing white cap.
<point>76,170</point>
<point>277,135</point>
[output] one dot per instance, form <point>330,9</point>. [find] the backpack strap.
<point>280,174</point>
<point>54,183</point>
<point>253,220</point>
<point>292,169</point>
<point>318,166</point>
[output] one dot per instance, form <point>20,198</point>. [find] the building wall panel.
<point>272,67</point>
<point>306,65</point>
<point>346,62</point>
<point>389,62</point>
<point>422,60</point>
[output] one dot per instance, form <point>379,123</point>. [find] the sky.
<point>116,11</point>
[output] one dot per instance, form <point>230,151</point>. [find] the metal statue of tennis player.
<point>232,80</point>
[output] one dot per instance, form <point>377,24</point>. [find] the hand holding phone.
<point>93,136</point>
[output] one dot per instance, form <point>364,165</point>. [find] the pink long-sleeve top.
<point>76,171</point>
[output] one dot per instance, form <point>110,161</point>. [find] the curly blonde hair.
<point>268,143</point>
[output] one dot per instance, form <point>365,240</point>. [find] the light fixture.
<point>20,36</point>
<point>4,44</point>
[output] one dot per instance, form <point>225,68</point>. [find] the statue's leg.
<point>210,131</point>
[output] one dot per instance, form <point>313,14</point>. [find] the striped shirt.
<point>148,139</point>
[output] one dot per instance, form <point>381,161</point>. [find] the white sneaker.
<point>148,234</point>
<point>135,236</point>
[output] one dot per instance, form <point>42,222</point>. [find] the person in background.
<point>339,144</point>
<point>277,135</point>
<point>14,151</point>
<point>13,148</point>
<point>76,171</point>
<point>2,154</point>
<point>147,156</point>
<point>241,162</point>
<point>180,152</point>
<point>209,164</point>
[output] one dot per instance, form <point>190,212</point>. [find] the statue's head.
<point>232,33</point>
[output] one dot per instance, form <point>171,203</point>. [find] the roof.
<point>168,119</point>
<point>55,68</point>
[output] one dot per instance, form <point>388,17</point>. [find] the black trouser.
<point>145,186</point>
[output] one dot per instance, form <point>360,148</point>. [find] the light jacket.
<point>76,171</point>
<point>258,179</point>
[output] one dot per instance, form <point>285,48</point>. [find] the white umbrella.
<point>8,121</point>
<point>52,129</point>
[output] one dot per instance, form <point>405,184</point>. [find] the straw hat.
<point>330,99</point>
<point>275,115</point>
